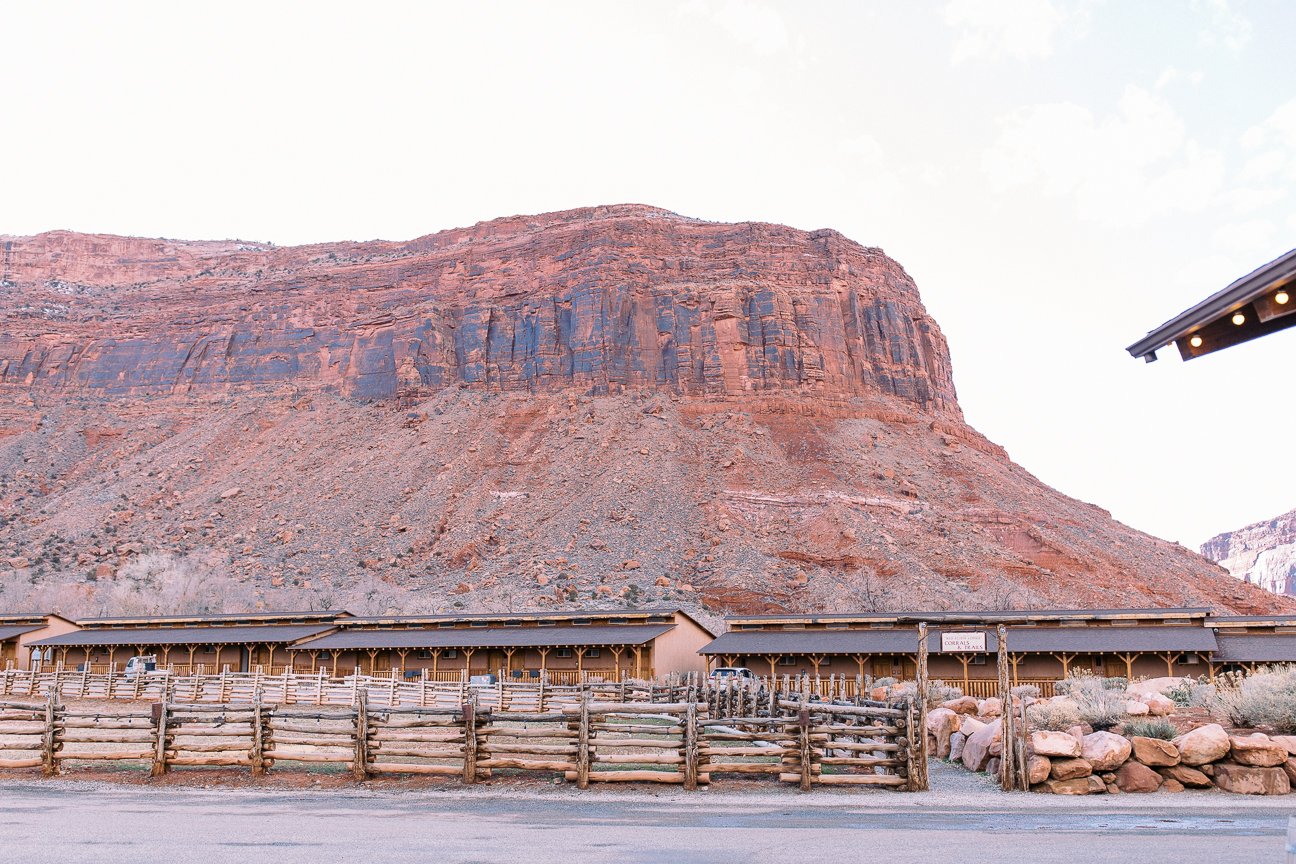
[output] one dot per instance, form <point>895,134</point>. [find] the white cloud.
<point>1224,26</point>
<point>757,25</point>
<point>1172,75</point>
<point>1013,29</point>
<point>1122,169</point>
<point>1273,143</point>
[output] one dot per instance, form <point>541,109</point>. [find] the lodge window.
<point>478,623</point>
<point>546,624</point>
<point>451,653</point>
<point>592,653</point>
<point>977,660</point>
<point>793,626</point>
<point>445,623</point>
<point>512,623</point>
<point>425,654</point>
<point>787,661</point>
<point>563,653</point>
<point>584,623</point>
<point>618,620</point>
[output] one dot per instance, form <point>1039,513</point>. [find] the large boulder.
<point>1185,775</point>
<point>942,723</point>
<point>977,750</point>
<point>1289,768</point>
<point>1068,769</point>
<point>1154,751</point>
<point>1137,777</point>
<point>1074,786</point>
<point>1257,750</point>
<point>1158,705</point>
<point>1287,741</point>
<point>1135,708</point>
<point>957,741</point>
<point>1251,780</point>
<point>969,725</point>
<point>1208,743</point>
<point>992,707</point>
<point>1047,743</point>
<point>1038,769</point>
<point>962,705</point>
<point>1104,750</point>
<point>1159,686</point>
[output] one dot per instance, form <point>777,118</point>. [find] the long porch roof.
<point>252,635</point>
<point>486,637</point>
<point>1080,640</point>
<point>1257,648</point>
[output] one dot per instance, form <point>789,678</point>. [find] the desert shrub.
<point>1052,716</point>
<point>1162,729</point>
<point>1026,691</point>
<point>1099,705</point>
<point>883,682</point>
<point>1116,683</point>
<point>938,692</point>
<point>1266,697</point>
<point>1181,694</point>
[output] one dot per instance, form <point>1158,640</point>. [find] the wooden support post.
<point>918,736</point>
<point>469,710</point>
<point>807,754</point>
<point>49,740</point>
<point>583,743</point>
<point>1007,761</point>
<point>690,753</point>
<point>360,759</point>
<point>258,735</point>
<point>160,743</point>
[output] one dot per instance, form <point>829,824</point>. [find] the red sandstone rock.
<point>1154,751</point>
<point>565,384</point>
<point>1251,780</point>
<point>1136,777</point>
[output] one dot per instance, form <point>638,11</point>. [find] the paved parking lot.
<point>68,823</point>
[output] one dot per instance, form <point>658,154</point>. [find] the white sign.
<point>963,642</point>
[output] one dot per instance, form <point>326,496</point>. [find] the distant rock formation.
<point>601,406</point>
<point>1263,554</point>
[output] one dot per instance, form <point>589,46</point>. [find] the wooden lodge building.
<point>561,647</point>
<point>18,631</point>
<point>189,643</point>
<point>1044,646</point>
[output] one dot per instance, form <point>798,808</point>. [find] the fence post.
<point>469,710</point>
<point>258,734</point>
<point>1008,759</point>
<point>360,760</point>
<point>583,743</point>
<point>690,746</point>
<point>159,712</point>
<point>918,737</point>
<point>49,741</point>
<point>803,728</point>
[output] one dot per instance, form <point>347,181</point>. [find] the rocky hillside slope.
<point>1262,554</point>
<point>609,405</point>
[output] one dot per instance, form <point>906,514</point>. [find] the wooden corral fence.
<point>589,741</point>
<point>319,689</point>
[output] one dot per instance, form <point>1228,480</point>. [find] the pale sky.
<point>1058,175</point>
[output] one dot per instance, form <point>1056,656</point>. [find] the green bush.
<point>1052,716</point>
<point>1163,729</point>
<point>1266,697</point>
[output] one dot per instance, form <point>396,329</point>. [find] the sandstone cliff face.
<point>1262,554</point>
<point>605,406</point>
<point>600,300</point>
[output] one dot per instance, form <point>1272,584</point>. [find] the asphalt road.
<point>52,824</point>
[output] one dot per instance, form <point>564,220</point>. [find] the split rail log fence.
<point>589,741</point>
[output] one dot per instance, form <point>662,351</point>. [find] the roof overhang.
<point>1213,324</point>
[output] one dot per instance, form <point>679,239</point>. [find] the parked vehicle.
<point>740,675</point>
<point>482,681</point>
<point>143,664</point>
